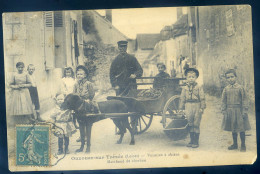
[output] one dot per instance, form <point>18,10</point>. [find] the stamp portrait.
<point>32,145</point>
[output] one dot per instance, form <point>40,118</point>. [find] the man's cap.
<point>191,70</point>
<point>122,43</point>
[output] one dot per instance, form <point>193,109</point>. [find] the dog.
<point>81,108</point>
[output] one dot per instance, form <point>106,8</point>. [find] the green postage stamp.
<point>32,145</point>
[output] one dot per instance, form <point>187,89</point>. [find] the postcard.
<point>129,88</point>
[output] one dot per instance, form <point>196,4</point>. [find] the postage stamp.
<point>32,145</point>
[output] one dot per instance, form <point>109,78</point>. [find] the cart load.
<point>149,94</point>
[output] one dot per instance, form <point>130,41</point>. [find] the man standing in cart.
<point>124,70</point>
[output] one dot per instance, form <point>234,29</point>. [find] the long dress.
<point>20,103</point>
<point>234,108</point>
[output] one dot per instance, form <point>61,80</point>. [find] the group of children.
<point>192,101</point>
<point>63,118</point>
<point>24,101</point>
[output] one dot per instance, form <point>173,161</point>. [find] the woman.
<point>20,104</point>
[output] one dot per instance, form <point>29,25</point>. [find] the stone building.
<point>52,40</point>
<point>223,39</point>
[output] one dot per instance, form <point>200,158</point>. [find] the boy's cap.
<point>122,43</point>
<point>82,68</point>
<point>191,70</point>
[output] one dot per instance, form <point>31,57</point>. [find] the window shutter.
<point>58,19</point>
<point>48,19</point>
<point>49,40</point>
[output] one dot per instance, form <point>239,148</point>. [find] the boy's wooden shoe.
<point>67,151</point>
<point>196,140</point>
<point>243,148</point>
<point>195,145</point>
<point>60,152</point>
<point>191,139</point>
<point>39,119</point>
<point>189,145</point>
<point>233,147</point>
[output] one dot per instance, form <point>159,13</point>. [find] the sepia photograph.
<point>129,88</point>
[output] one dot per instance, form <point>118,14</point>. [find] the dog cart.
<point>144,104</point>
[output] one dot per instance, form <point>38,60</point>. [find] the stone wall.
<point>225,41</point>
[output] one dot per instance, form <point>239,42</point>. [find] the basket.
<point>178,129</point>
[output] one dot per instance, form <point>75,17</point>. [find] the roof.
<point>88,12</point>
<point>180,27</point>
<point>147,41</point>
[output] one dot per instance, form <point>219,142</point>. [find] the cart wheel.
<point>170,109</point>
<point>141,123</point>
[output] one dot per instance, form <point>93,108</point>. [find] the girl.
<point>21,103</point>
<point>193,101</point>
<point>65,127</point>
<point>86,91</point>
<point>234,109</point>
<point>68,81</point>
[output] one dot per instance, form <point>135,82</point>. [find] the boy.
<point>34,92</point>
<point>158,81</point>
<point>193,101</point>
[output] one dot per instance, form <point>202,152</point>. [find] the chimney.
<point>109,15</point>
<point>179,12</point>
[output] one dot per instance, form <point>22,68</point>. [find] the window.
<point>53,19</point>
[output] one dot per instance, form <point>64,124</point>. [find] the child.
<point>86,91</point>
<point>193,101</point>
<point>68,81</point>
<point>234,109</point>
<point>64,125</point>
<point>20,103</point>
<point>34,92</point>
<point>158,81</point>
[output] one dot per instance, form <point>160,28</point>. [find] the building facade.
<point>223,41</point>
<point>53,40</point>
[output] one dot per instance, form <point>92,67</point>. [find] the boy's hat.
<point>82,68</point>
<point>191,70</point>
<point>122,43</point>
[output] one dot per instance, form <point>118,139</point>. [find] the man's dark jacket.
<point>121,68</point>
